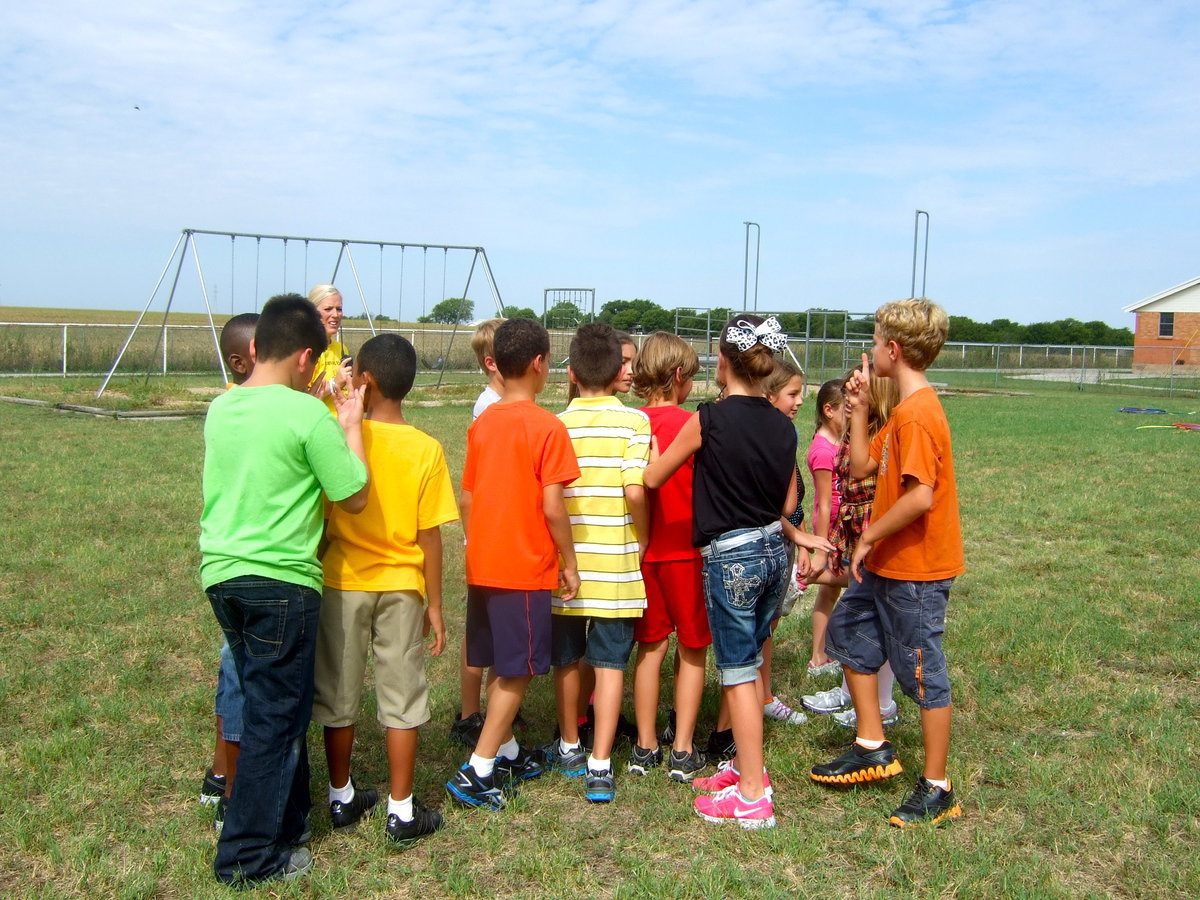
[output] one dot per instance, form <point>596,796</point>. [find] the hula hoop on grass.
<point>1137,409</point>
<point>1174,426</point>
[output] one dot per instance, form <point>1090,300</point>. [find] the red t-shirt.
<point>670,505</point>
<point>514,450</point>
<point>916,442</point>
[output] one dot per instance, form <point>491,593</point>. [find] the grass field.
<point>1074,644</point>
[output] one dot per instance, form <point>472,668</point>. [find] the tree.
<point>519,312</point>
<point>451,310</point>
<point>563,314</point>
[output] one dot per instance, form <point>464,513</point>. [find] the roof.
<point>1181,298</point>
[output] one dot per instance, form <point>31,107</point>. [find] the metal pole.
<point>925,265</point>
<point>746,266</point>
<point>454,330</point>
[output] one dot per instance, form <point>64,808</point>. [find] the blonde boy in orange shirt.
<point>905,562</point>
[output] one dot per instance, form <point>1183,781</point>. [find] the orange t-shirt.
<point>514,450</point>
<point>915,442</point>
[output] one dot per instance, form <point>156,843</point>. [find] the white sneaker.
<point>830,701</point>
<point>849,718</point>
<point>829,668</point>
<point>781,712</point>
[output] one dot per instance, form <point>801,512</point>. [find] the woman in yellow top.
<point>330,373</point>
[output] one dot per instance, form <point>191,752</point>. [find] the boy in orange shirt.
<point>519,459</point>
<point>904,564</point>
<point>383,592</point>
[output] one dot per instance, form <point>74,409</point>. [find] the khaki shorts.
<point>392,624</point>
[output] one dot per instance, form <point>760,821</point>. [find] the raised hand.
<point>859,384</point>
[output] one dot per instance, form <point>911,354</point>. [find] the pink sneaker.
<point>726,775</point>
<point>730,806</point>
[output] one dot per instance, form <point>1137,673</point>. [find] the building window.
<point>1166,325</point>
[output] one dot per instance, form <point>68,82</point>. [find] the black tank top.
<point>746,458</point>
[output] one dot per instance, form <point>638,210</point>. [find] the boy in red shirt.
<point>895,609</point>
<point>519,458</point>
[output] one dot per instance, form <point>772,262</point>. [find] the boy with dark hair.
<point>610,528</point>
<point>381,566</point>
<point>271,451</point>
<point>218,780</point>
<point>895,609</point>
<point>519,458</point>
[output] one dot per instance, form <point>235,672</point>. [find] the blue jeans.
<point>742,589</point>
<point>228,703</point>
<point>271,627</point>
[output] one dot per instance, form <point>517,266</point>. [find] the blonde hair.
<point>918,326</point>
<point>320,292</point>
<point>654,367</point>
<point>481,340</point>
<point>883,396</point>
<point>780,376</point>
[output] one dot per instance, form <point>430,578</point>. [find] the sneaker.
<point>626,729</point>
<point>346,815</point>
<point>721,745</point>
<point>212,788</point>
<point>849,718</point>
<point>471,789</point>
<point>727,775</point>
<point>642,760</point>
<point>859,765</point>
<point>684,766</point>
<point>730,806</point>
<point>781,712</point>
<point>219,816</point>
<point>297,865</point>
<point>667,737</point>
<point>424,821</point>
<point>927,805</point>
<point>824,702</point>
<point>466,731</point>
<point>599,787</point>
<point>573,763</point>
<point>830,668</point>
<point>510,772</point>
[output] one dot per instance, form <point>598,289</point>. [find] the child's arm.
<point>916,500</point>
<point>639,511</point>
<point>430,542</point>
<point>664,466</point>
<point>554,508</point>
<point>823,488</point>
<point>350,416</point>
<point>859,397</point>
<point>464,510</point>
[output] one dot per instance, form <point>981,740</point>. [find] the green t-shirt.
<point>268,453</point>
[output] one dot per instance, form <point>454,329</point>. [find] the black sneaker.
<point>859,765</point>
<point>510,772</point>
<point>346,815</point>
<point>599,787</point>
<point>927,805</point>
<point>642,760</point>
<point>667,737</point>
<point>219,816</point>
<point>684,766</point>
<point>424,821</point>
<point>471,789</point>
<point>573,763</point>
<point>212,788</point>
<point>466,731</point>
<point>721,745</point>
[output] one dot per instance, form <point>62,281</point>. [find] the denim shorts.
<point>229,697</point>
<point>604,643</point>
<point>881,619</point>
<point>745,574</point>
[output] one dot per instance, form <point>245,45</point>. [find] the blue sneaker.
<point>599,787</point>
<point>510,772</point>
<point>470,789</point>
<point>573,763</point>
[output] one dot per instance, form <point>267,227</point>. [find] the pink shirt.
<point>822,455</point>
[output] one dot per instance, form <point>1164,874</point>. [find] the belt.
<point>722,545</point>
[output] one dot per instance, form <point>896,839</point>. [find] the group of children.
<point>586,533</point>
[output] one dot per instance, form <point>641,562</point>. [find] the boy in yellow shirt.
<point>383,591</point>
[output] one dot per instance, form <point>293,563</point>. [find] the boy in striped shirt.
<point>610,528</point>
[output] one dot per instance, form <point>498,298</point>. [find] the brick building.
<point>1168,330</point>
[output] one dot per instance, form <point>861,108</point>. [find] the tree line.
<point>645,316</point>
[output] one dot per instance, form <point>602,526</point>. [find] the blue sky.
<point>611,144</point>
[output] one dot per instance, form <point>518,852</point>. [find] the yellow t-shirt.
<point>326,368</point>
<point>410,490</point>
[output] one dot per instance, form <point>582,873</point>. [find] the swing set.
<point>280,243</point>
